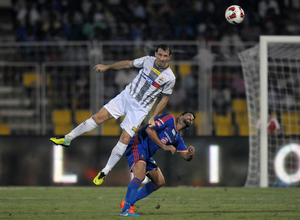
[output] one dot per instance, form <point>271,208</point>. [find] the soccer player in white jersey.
<point>155,78</point>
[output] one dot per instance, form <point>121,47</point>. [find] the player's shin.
<point>146,190</point>
<point>82,128</point>
<point>131,194</point>
<point>115,156</point>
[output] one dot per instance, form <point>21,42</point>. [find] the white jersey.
<point>150,82</point>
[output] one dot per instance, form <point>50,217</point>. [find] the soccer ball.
<point>234,14</point>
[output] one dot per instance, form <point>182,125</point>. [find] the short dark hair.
<point>188,112</point>
<point>164,47</point>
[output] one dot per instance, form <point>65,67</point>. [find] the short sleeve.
<point>163,121</point>
<point>168,87</point>
<point>159,125</point>
<point>180,146</point>
<point>139,63</point>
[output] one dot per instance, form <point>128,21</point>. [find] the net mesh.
<point>283,106</point>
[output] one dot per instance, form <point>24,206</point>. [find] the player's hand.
<point>191,150</point>
<point>151,123</point>
<point>100,68</point>
<point>171,148</point>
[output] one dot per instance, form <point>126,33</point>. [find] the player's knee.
<point>125,137</point>
<point>140,176</point>
<point>97,118</point>
<point>102,116</point>
<point>161,182</point>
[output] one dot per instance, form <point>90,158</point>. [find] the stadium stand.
<point>62,120</point>
<point>26,21</point>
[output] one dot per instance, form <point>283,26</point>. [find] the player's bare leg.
<point>102,116</point>
<point>157,177</point>
<point>85,127</point>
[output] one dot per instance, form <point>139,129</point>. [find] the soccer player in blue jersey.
<point>165,134</point>
<point>154,79</point>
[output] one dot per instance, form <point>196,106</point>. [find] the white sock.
<point>84,127</point>
<point>115,156</point>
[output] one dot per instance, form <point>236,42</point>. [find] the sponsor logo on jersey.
<point>149,80</point>
<point>134,129</point>
<point>161,80</point>
<point>156,71</point>
<point>173,132</point>
<point>168,136</point>
<point>142,156</point>
<point>158,123</point>
<point>164,140</point>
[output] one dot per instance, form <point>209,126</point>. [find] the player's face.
<point>162,58</point>
<point>188,119</point>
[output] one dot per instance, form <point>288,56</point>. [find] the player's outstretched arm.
<point>160,106</point>
<point>188,156</point>
<point>154,137</point>
<point>118,65</point>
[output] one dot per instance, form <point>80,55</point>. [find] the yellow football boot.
<point>98,180</point>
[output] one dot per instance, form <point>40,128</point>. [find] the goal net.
<point>272,77</point>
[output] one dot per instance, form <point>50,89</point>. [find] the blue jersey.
<point>141,147</point>
<point>165,127</point>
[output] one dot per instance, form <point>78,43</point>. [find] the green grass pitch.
<point>167,203</point>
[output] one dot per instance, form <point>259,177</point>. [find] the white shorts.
<point>125,104</point>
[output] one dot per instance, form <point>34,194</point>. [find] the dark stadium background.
<point>27,159</point>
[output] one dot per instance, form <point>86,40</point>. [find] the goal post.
<point>277,60</point>
<point>263,73</point>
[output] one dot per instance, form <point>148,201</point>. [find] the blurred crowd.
<point>120,20</point>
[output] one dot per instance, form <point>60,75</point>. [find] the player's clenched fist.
<point>191,150</point>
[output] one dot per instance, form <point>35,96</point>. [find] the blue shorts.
<point>135,152</point>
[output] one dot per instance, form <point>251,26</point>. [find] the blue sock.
<point>146,190</point>
<point>131,193</point>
